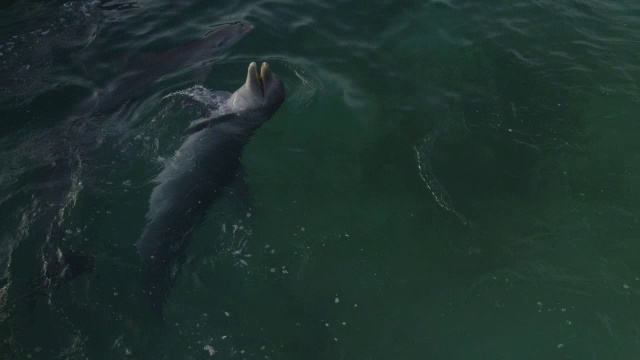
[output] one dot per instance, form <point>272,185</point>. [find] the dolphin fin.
<point>200,124</point>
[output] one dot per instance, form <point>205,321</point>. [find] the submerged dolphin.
<point>195,176</point>
<point>139,76</point>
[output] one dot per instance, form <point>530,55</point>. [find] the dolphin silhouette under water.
<point>206,162</point>
<point>138,76</point>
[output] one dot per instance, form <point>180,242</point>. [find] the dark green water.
<point>446,180</point>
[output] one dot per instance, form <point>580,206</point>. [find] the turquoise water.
<point>446,180</point>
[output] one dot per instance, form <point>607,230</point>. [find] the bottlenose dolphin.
<point>139,75</point>
<point>196,175</point>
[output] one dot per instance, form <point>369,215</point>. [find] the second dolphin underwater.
<point>206,162</point>
<point>141,74</point>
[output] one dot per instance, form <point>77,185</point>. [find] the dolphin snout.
<point>245,28</point>
<point>259,78</point>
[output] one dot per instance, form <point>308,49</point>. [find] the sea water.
<point>446,180</point>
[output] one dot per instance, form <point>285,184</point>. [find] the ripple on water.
<point>30,57</point>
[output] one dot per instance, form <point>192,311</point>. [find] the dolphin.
<point>206,162</point>
<point>138,76</point>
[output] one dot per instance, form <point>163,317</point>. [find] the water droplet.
<point>210,349</point>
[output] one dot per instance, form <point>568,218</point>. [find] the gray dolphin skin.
<point>138,76</point>
<point>206,162</point>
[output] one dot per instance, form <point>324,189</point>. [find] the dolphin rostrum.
<point>196,175</point>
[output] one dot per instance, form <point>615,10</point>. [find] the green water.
<point>446,180</point>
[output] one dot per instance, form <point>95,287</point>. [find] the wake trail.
<point>423,151</point>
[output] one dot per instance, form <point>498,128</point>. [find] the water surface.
<point>446,180</point>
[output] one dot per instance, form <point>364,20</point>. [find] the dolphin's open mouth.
<point>261,88</point>
<point>261,77</point>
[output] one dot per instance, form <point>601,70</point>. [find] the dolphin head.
<point>260,90</point>
<point>251,105</point>
<point>227,35</point>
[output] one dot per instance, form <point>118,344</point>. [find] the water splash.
<point>236,242</point>
<point>200,94</point>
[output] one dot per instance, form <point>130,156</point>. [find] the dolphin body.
<point>139,76</point>
<point>196,175</point>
